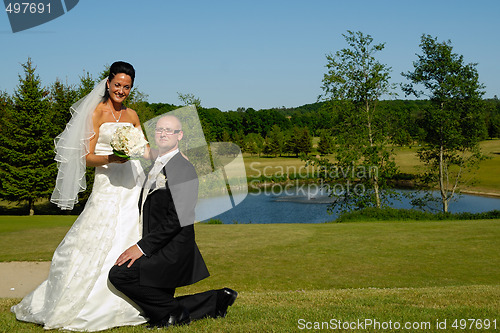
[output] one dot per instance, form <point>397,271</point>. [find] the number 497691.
<point>478,324</point>
<point>27,8</point>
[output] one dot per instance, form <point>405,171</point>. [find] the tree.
<point>189,99</point>
<point>453,122</point>
<point>27,168</point>
<point>254,143</point>
<point>61,97</point>
<point>5,103</point>
<point>252,123</point>
<point>300,141</point>
<point>275,141</point>
<point>239,138</point>
<point>87,83</point>
<point>326,143</point>
<point>214,123</point>
<point>493,117</point>
<point>353,85</point>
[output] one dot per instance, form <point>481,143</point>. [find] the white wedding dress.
<point>77,294</point>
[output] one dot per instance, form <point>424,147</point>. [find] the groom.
<point>167,256</point>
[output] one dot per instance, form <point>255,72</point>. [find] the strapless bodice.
<point>105,133</point>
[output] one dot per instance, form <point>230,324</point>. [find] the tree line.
<point>289,131</point>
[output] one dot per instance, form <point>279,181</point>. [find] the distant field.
<point>486,179</point>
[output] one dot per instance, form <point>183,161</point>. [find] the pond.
<point>303,205</point>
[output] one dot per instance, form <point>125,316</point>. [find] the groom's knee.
<point>121,276</point>
<point>114,276</point>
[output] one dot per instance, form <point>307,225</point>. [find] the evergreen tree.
<point>254,144</point>
<point>267,147</point>
<point>304,143</point>
<point>87,83</point>
<point>289,142</point>
<point>226,137</point>
<point>239,139</point>
<point>325,144</point>
<point>27,167</point>
<point>301,141</point>
<point>275,141</point>
<point>5,102</point>
<point>61,97</point>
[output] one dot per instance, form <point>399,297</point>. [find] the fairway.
<point>287,257</point>
<point>399,271</point>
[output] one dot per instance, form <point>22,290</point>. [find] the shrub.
<point>213,221</point>
<point>393,214</point>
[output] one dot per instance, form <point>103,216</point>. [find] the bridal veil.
<point>72,146</point>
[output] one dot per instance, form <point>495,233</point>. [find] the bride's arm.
<point>92,159</point>
<point>149,153</point>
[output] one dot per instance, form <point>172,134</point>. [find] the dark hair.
<point>116,68</point>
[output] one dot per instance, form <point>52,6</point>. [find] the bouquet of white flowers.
<point>128,141</point>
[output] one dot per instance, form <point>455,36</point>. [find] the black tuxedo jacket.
<point>168,240</point>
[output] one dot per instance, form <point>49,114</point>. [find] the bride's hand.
<point>94,160</point>
<point>116,159</point>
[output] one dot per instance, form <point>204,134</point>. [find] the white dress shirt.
<point>159,164</point>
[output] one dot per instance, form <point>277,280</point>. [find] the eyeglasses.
<point>167,131</point>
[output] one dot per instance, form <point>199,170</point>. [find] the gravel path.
<point>19,278</point>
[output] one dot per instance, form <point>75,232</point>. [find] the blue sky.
<point>231,54</point>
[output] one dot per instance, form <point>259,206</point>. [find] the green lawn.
<point>290,275</point>
<point>32,238</point>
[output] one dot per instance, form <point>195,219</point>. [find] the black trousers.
<point>158,303</point>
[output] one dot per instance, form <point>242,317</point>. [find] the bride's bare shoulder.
<point>100,108</point>
<point>131,112</point>
<point>98,114</point>
<point>133,117</point>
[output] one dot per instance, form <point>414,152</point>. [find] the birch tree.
<point>354,83</point>
<point>453,123</point>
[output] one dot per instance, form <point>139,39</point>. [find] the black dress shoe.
<point>225,298</point>
<point>173,320</point>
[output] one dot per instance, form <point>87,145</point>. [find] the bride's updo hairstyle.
<point>117,68</point>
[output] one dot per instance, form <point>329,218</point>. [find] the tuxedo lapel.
<point>159,182</point>
<point>142,196</point>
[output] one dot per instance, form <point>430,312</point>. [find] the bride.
<point>77,294</point>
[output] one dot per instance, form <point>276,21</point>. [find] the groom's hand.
<point>132,253</point>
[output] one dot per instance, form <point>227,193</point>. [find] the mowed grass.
<point>31,238</point>
<point>415,272</point>
<point>283,312</point>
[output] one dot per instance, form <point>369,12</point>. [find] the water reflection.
<point>296,205</point>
